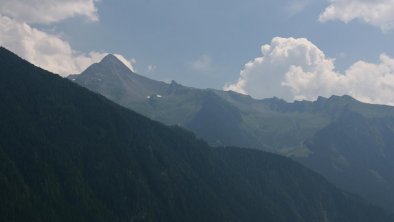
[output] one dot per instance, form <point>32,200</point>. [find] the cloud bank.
<point>379,13</point>
<point>296,69</point>
<point>46,50</point>
<point>42,49</point>
<point>48,11</point>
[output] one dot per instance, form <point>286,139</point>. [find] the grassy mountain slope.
<point>256,122</point>
<point>268,124</point>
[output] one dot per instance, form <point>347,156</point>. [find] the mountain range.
<point>68,154</point>
<point>348,142</point>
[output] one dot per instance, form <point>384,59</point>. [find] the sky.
<point>291,49</point>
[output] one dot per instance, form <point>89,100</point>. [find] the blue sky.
<point>206,44</point>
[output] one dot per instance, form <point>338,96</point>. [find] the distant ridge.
<point>274,125</point>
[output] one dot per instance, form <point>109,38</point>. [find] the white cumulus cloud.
<point>43,49</point>
<point>46,50</point>
<point>48,11</point>
<point>379,13</point>
<point>296,69</point>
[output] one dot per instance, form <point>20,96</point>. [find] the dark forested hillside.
<point>358,154</point>
<point>67,154</point>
